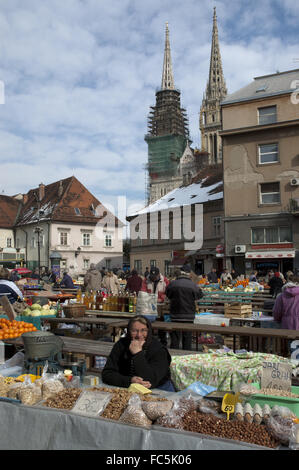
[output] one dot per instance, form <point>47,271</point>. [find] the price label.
<point>276,375</point>
<point>228,403</point>
<point>91,403</point>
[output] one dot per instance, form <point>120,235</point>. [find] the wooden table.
<point>259,339</point>
<point>111,323</point>
<point>90,348</point>
<point>108,313</point>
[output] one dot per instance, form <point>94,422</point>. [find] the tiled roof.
<point>265,86</point>
<point>67,201</point>
<point>9,207</point>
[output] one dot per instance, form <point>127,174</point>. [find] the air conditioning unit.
<point>294,182</point>
<point>240,248</point>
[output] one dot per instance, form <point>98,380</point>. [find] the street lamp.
<point>77,252</point>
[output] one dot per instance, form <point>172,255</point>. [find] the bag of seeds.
<point>51,386</point>
<point>134,413</point>
<point>29,393</point>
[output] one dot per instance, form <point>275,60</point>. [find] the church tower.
<point>167,135</point>
<point>210,114</point>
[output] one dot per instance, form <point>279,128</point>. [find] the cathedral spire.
<point>167,74</point>
<point>216,87</point>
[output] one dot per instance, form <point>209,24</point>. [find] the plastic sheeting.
<point>37,428</point>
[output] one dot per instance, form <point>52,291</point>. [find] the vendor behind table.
<point>138,358</point>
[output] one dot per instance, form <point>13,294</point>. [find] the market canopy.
<point>271,254</point>
<point>22,270</point>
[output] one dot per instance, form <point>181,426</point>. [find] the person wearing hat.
<point>9,288</point>
<point>155,283</point>
<point>93,279</point>
<point>134,282</point>
<point>67,281</point>
<point>138,358</point>
<point>182,294</point>
<point>275,284</point>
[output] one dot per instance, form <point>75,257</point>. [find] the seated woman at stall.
<point>139,358</point>
<point>9,288</point>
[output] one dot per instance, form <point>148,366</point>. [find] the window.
<point>268,153</point>
<point>108,240</point>
<point>216,226</point>
<point>271,235</point>
<point>269,193</point>
<point>86,239</point>
<point>33,242</point>
<point>86,263</point>
<point>108,263</point>
<point>267,115</point>
<point>63,238</point>
<point>166,267</point>
<point>77,211</point>
<point>9,242</point>
<point>153,263</point>
<point>138,265</point>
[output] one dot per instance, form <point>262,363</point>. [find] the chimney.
<point>60,189</point>
<point>25,198</point>
<point>41,192</point>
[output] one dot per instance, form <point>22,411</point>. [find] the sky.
<point>78,78</point>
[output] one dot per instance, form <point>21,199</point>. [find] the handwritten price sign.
<point>276,375</point>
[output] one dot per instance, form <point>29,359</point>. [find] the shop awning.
<point>270,254</point>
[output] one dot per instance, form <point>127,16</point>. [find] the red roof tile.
<point>9,207</point>
<point>64,201</point>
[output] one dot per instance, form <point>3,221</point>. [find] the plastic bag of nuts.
<point>156,409</point>
<point>134,413</point>
<point>280,428</point>
<point>30,394</point>
<point>50,387</point>
<point>4,387</point>
<point>14,389</point>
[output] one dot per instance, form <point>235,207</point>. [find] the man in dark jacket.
<point>212,276</point>
<point>183,293</point>
<point>139,358</point>
<point>276,284</point>
<point>67,281</point>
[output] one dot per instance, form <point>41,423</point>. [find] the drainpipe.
<point>26,237</point>
<point>49,262</point>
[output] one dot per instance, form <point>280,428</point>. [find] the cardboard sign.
<point>8,308</point>
<point>276,375</point>
<point>91,403</point>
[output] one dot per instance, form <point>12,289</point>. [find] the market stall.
<point>109,418</point>
<point>223,370</point>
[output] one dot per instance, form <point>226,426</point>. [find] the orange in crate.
<point>14,329</point>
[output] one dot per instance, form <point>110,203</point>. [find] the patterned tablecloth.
<point>221,370</point>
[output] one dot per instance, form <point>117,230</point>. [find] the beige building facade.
<point>261,175</point>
